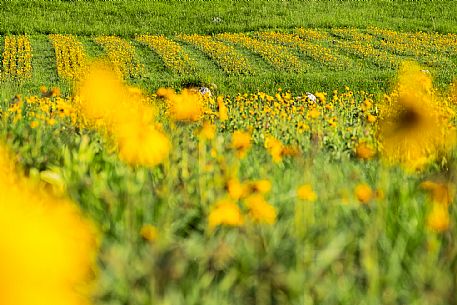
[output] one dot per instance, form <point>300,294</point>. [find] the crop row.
<point>16,58</point>
<point>337,49</point>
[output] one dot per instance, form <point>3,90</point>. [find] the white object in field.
<point>311,97</point>
<point>204,91</point>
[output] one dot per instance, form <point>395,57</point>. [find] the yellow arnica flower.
<point>260,210</point>
<point>107,101</point>
<point>260,186</point>
<point>186,106</point>
<point>305,192</point>
<point>142,144</point>
<point>439,192</point>
<point>223,112</point>
<point>225,212</point>
<point>241,142</point>
<point>235,189</point>
<point>208,131</point>
<point>414,121</point>
<point>149,232</point>
<point>364,151</point>
<point>274,147</point>
<point>438,218</point>
<point>364,193</point>
<point>47,249</point>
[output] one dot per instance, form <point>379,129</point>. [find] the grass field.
<point>119,184</point>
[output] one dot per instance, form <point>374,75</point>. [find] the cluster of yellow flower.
<point>226,57</point>
<point>47,249</point>
<point>173,55</point>
<point>245,201</point>
<point>362,45</point>
<point>282,113</point>
<point>425,47</point>
<point>276,55</point>
<point>313,35</point>
<point>323,55</point>
<point>122,55</point>
<point>17,58</point>
<point>48,109</point>
<point>186,106</point>
<point>124,113</point>
<point>70,56</point>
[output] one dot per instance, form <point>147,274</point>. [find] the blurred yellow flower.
<point>149,232</point>
<point>261,186</point>
<point>225,212</point>
<point>223,111</point>
<point>306,192</point>
<point>274,147</point>
<point>122,110</point>
<point>47,249</point>
<point>438,218</point>
<point>241,142</point>
<point>414,122</point>
<point>439,192</point>
<point>364,193</point>
<point>364,151</point>
<point>208,131</point>
<point>235,189</point>
<point>260,210</point>
<point>186,106</point>
<point>142,144</point>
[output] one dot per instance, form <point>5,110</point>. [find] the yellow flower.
<point>187,106</point>
<point>364,193</point>
<point>34,124</point>
<point>261,186</point>
<point>47,248</point>
<point>439,192</point>
<point>142,144</point>
<point>321,96</point>
<point>149,232</point>
<point>43,90</point>
<point>364,151</point>
<point>55,91</point>
<point>305,192</point>
<point>208,131</point>
<point>438,218</point>
<point>413,122</point>
<point>235,189</point>
<point>313,113</point>
<point>260,210</point>
<point>225,212</point>
<point>241,142</point>
<point>371,118</point>
<point>223,112</point>
<point>106,99</point>
<point>274,147</point>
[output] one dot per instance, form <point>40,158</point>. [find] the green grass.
<point>130,17</point>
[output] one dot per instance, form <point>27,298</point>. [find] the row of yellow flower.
<point>276,55</point>
<point>172,54</point>
<point>122,55</point>
<point>323,55</point>
<point>428,48</point>
<point>71,58</point>
<point>227,57</point>
<point>361,45</point>
<point>16,58</point>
